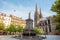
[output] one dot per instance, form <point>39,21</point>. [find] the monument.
<point>29,33</point>
<point>29,28</point>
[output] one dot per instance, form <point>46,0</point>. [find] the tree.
<point>58,28</point>
<point>12,28</point>
<point>19,28</point>
<point>56,8</point>
<point>6,29</point>
<point>39,30</point>
<point>1,26</point>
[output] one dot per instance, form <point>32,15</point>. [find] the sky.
<point>21,8</point>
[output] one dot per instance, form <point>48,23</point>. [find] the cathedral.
<point>47,23</point>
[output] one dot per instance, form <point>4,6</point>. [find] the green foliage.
<point>57,18</point>
<point>6,29</point>
<point>58,28</point>
<point>56,8</point>
<point>19,28</point>
<point>12,28</point>
<point>39,30</point>
<point>1,26</point>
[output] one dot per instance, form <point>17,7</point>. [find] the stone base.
<point>29,33</point>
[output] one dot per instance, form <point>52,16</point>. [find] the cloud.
<point>21,11</point>
<point>47,13</point>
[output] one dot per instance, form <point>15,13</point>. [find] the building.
<point>47,23</point>
<point>18,21</point>
<point>2,15</point>
<point>7,20</point>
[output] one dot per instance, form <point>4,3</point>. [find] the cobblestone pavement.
<point>7,38</point>
<point>10,37</point>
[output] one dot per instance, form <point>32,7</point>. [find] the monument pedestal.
<point>29,28</point>
<point>29,33</point>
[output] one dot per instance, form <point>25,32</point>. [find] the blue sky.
<point>23,7</point>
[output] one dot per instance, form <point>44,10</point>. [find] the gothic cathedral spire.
<point>40,13</point>
<point>36,17</point>
<point>36,12</point>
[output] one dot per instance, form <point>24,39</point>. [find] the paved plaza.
<point>10,37</point>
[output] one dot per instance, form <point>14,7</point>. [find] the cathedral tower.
<point>36,16</point>
<point>40,16</point>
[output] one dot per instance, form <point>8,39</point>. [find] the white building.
<point>7,21</point>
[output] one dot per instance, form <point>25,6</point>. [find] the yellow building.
<point>12,19</point>
<point>18,21</point>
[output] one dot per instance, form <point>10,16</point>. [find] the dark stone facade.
<point>46,23</point>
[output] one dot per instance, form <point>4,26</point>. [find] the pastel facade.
<point>7,20</point>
